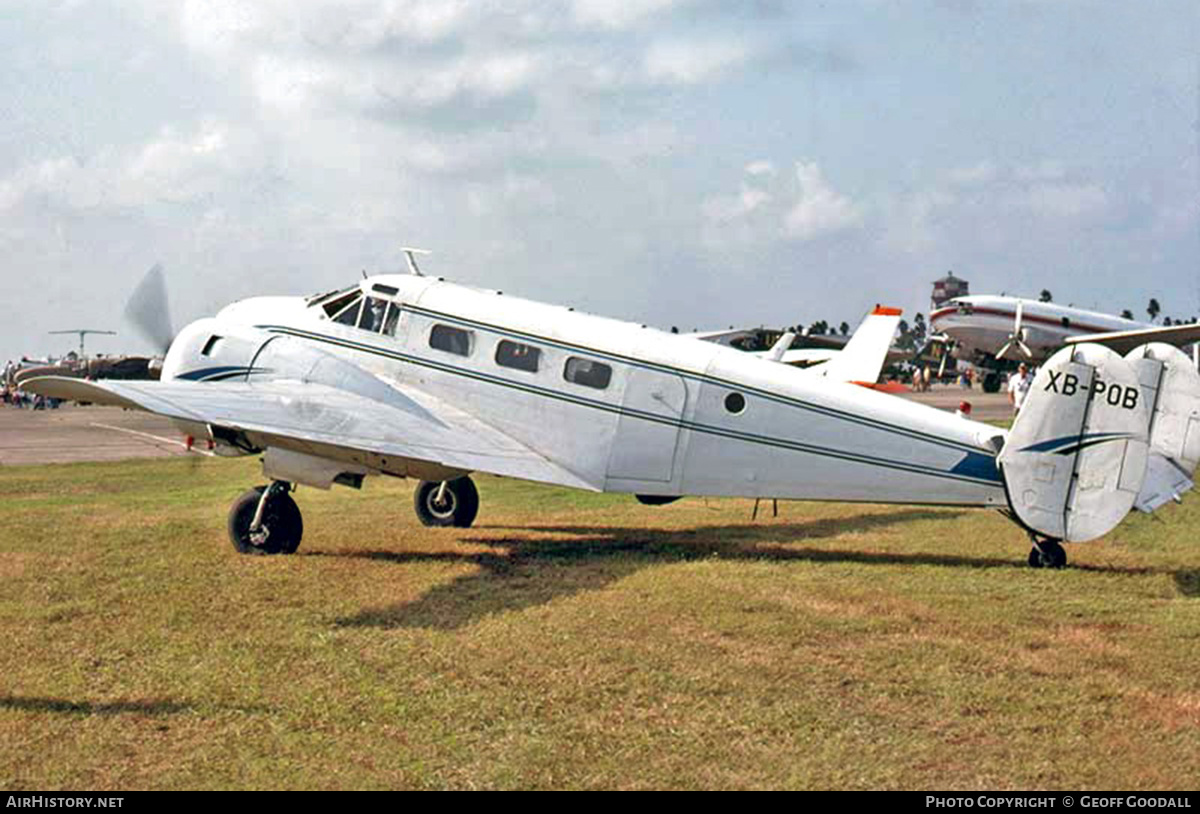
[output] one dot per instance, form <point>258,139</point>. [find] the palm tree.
<point>1045,296</point>
<point>1153,309</point>
<point>1126,314</point>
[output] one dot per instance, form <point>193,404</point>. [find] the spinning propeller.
<point>1017,337</point>
<point>147,310</point>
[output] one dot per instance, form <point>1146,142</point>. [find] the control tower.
<point>947,288</point>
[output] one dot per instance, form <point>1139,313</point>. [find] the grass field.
<point>579,641</point>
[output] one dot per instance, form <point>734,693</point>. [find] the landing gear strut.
<point>265,520</point>
<point>447,503</point>
<point>1046,553</point>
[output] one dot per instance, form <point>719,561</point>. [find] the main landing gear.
<point>265,520</point>
<point>1046,553</point>
<point>447,503</point>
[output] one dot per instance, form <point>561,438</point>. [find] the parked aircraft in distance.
<point>986,329</point>
<point>858,358</point>
<point>411,376</point>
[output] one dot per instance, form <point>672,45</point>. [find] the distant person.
<point>1018,387</point>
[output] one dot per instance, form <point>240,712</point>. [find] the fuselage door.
<point>648,429</point>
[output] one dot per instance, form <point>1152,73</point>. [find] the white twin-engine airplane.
<point>409,376</point>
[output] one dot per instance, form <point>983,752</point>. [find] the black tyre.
<point>282,525</point>
<point>458,506</point>
<point>1050,555</point>
<point>991,383</point>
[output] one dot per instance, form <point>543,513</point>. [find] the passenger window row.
<point>520,356</point>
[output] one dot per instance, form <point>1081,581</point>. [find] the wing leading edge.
<point>297,415</point>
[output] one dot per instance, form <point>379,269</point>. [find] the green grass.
<point>572,640</point>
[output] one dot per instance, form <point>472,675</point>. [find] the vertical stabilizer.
<point>863,357</point>
<point>1075,460</point>
<point>1171,389</point>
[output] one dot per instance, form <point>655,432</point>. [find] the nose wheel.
<point>1047,553</point>
<point>447,503</point>
<point>265,520</point>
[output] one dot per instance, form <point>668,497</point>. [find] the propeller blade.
<point>147,310</point>
<point>1017,335</point>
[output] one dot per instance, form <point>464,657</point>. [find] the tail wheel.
<point>1047,554</point>
<point>448,503</point>
<point>281,529</point>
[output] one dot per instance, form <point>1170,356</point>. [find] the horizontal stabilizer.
<point>1125,341</point>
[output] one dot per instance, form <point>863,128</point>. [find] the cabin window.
<point>349,315</point>
<point>735,403</point>
<point>1066,322</point>
<point>334,306</point>
<point>451,340</point>
<point>966,309</point>
<point>587,372</point>
<point>518,355</point>
<point>210,345</point>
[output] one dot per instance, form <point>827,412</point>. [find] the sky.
<point>696,163</point>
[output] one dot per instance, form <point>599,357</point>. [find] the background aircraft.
<point>858,358</point>
<point>996,332</point>
<point>414,377</point>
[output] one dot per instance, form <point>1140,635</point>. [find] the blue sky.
<point>692,163</point>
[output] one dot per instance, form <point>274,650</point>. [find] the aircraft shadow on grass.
<point>531,572</point>
<point>152,707</point>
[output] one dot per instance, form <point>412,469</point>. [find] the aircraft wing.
<point>297,415</point>
<point>1125,341</point>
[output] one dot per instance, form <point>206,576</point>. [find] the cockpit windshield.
<point>339,303</point>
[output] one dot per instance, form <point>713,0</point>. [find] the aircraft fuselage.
<point>981,325</point>
<point>622,407</point>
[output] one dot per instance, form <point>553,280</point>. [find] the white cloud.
<point>982,173</point>
<point>171,168</point>
<point>618,13</point>
<point>820,210</point>
<point>1065,200</point>
<point>689,62</point>
<point>722,209</point>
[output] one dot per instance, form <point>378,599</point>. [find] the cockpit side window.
<point>393,317</point>
<point>372,315</point>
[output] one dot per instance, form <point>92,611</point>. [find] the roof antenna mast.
<point>410,253</point>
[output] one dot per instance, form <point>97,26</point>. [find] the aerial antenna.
<point>411,253</point>
<point>82,333</point>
